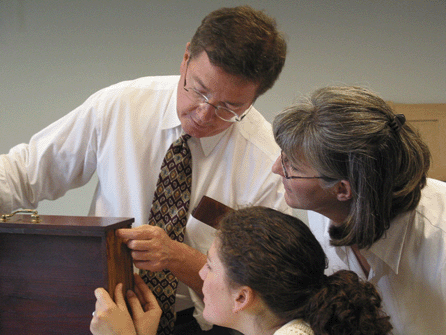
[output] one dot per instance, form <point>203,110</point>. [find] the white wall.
<point>55,53</point>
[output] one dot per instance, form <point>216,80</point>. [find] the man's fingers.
<point>141,245</point>
<point>143,232</point>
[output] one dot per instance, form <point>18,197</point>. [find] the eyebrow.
<point>299,165</point>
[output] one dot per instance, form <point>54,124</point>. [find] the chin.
<point>193,131</point>
<point>290,202</point>
<point>208,317</point>
<point>213,316</point>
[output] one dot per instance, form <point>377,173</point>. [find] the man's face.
<point>222,89</point>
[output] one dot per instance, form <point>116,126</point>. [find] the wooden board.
<point>430,120</point>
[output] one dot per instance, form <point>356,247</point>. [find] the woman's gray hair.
<point>348,133</point>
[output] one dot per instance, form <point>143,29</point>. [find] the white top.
<point>123,132</point>
<point>295,327</point>
<point>408,265</point>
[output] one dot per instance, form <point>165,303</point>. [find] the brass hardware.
<point>34,215</point>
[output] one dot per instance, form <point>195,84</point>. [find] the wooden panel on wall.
<point>430,120</point>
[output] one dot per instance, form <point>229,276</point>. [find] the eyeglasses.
<point>222,112</point>
<point>286,163</point>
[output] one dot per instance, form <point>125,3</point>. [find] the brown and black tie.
<point>169,211</point>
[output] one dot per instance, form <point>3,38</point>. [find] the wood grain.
<point>49,270</point>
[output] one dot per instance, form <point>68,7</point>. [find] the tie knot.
<point>182,140</point>
<point>180,145</point>
<point>185,137</point>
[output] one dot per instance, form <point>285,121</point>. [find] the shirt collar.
<point>170,118</point>
<point>209,143</point>
<point>389,248</point>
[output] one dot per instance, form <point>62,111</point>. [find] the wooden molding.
<point>430,120</point>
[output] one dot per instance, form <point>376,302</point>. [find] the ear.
<point>243,298</point>
<point>186,56</point>
<point>343,190</point>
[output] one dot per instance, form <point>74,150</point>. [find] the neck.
<point>338,214</point>
<point>362,260</point>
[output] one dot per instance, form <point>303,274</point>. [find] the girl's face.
<point>218,295</point>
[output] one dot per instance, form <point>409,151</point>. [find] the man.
<point>123,132</point>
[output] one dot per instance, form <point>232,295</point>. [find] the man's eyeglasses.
<point>222,112</point>
<point>286,165</point>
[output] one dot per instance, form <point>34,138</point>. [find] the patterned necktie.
<point>169,211</point>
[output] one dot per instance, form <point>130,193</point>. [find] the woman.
<point>347,156</point>
<point>265,275</point>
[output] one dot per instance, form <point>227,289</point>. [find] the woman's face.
<point>304,193</point>
<point>218,295</point>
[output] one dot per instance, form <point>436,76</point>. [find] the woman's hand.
<point>145,309</point>
<point>112,318</point>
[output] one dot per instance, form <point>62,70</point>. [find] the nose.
<point>277,167</point>
<point>205,112</point>
<point>202,272</point>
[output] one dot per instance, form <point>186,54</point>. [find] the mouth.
<point>287,189</point>
<point>284,182</point>
<point>198,124</point>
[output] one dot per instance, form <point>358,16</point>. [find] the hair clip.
<point>397,122</point>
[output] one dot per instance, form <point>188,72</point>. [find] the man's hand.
<point>151,248</point>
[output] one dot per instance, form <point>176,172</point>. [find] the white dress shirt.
<point>122,133</point>
<point>408,265</point>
